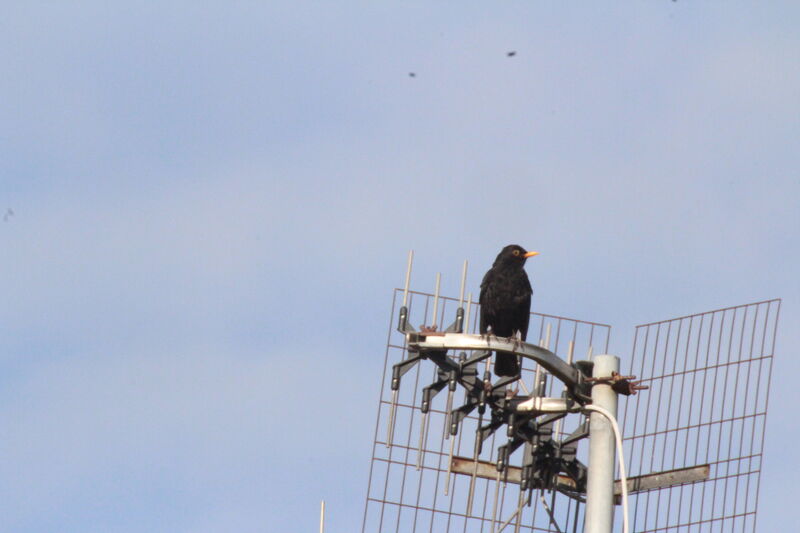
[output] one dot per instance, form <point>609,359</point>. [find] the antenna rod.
<point>403,327</point>
<point>516,514</point>
<point>408,276</point>
<point>475,451</point>
<point>463,283</point>
<point>547,337</point>
<point>449,467</point>
<point>496,497</point>
<point>448,407</point>
<point>436,299</point>
<point>322,517</point>
<point>538,374</point>
<point>422,434</point>
<point>390,427</point>
<point>466,318</point>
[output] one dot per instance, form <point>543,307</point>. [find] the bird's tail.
<point>506,364</point>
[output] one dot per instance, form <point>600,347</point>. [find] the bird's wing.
<point>487,278</point>
<point>485,296</point>
<point>525,307</point>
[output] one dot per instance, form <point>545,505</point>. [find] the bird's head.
<point>513,254</point>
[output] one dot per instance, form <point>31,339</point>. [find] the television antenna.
<point>456,451</point>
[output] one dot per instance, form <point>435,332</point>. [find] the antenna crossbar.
<point>568,374</point>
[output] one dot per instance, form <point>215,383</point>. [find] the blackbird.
<point>506,302</point>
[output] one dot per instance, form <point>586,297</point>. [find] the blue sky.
<point>212,205</point>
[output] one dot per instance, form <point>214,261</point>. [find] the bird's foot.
<point>516,340</point>
<point>487,335</point>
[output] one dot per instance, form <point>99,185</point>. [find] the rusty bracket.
<point>621,384</point>
<point>430,331</point>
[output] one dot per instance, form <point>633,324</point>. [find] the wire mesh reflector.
<point>403,498</point>
<point>709,378</point>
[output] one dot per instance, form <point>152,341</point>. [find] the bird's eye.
<point>516,252</point>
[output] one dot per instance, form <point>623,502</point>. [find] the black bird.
<point>506,302</point>
<point>512,53</point>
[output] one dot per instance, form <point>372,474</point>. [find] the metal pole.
<point>600,483</point>
<point>322,517</point>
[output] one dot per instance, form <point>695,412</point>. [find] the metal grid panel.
<point>709,377</point>
<point>402,498</point>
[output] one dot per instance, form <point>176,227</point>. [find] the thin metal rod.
<point>453,497</point>
<point>510,518</point>
<point>537,376</point>
<point>422,434</point>
<point>408,276</point>
<point>463,285</point>
<point>449,467</point>
<point>521,500</point>
<point>447,411</point>
<point>436,300</point>
<point>390,427</point>
<point>496,497</point>
<point>769,380</point>
<point>322,517</point>
<point>466,317</point>
<point>547,337</point>
<point>575,518</point>
<point>474,473</point>
<point>378,417</point>
<point>549,511</point>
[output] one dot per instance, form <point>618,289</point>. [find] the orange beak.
<point>530,254</point>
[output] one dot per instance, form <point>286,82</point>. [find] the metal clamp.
<point>619,383</point>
